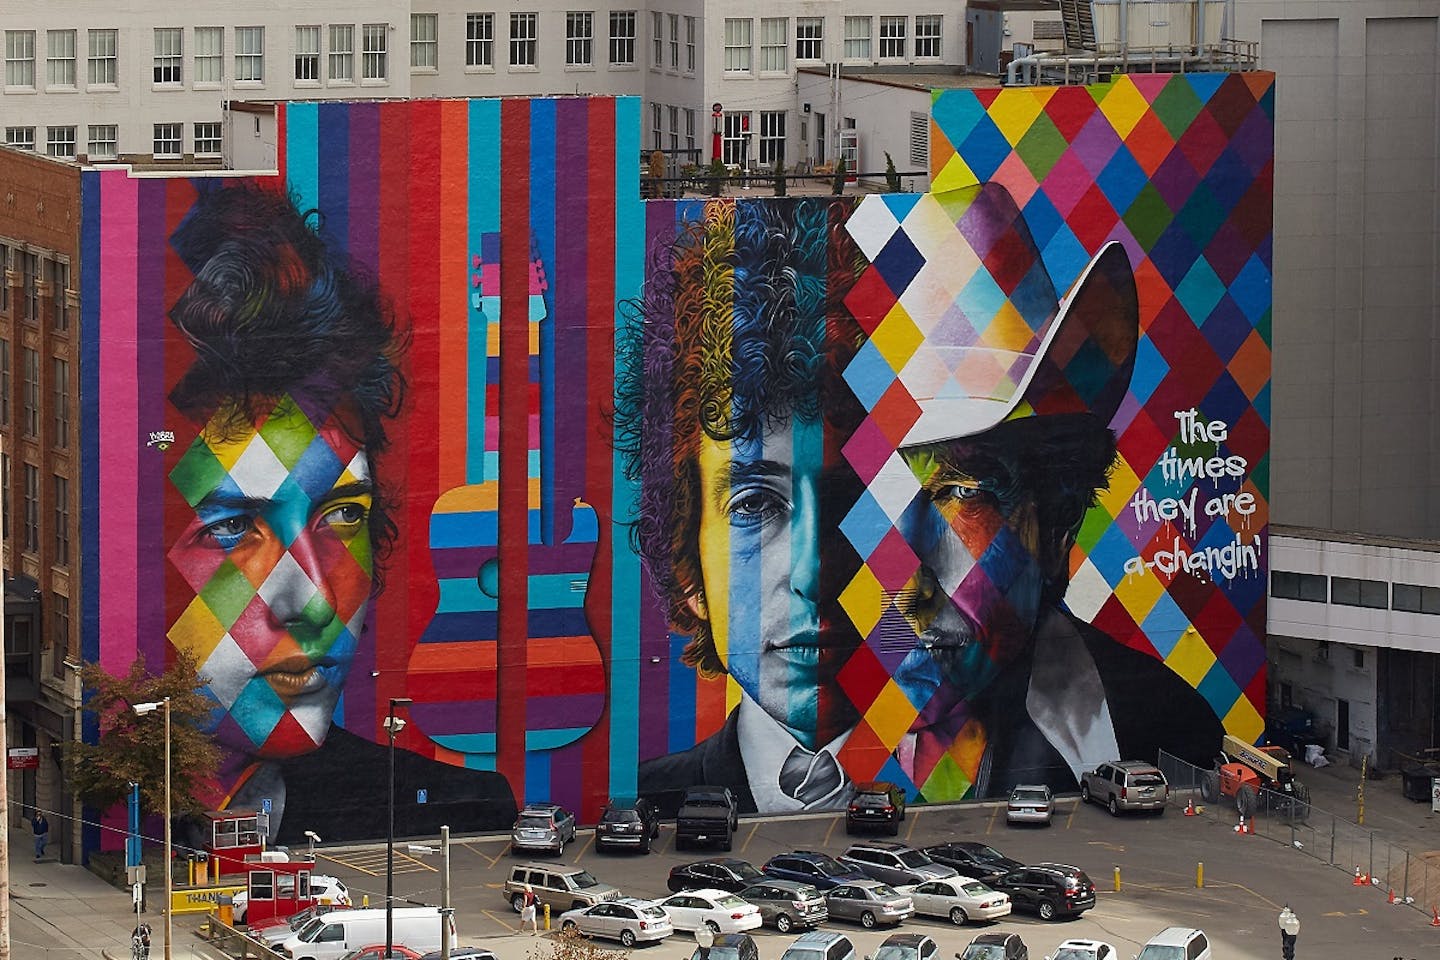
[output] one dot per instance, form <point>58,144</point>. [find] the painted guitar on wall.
<point>509,649</point>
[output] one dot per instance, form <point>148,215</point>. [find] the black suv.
<point>1049,889</point>
<point>629,824</point>
<point>875,804</point>
<point>972,859</point>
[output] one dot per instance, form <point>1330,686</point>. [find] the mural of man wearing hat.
<point>987,441</point>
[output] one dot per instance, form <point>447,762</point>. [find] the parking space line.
<point>504,923</point>
<point>589,842</point>
<point>830,829</point>
<point>754,825</point>
<point>1071,819</point>
<point>913,820</point>
<point>991,825</point>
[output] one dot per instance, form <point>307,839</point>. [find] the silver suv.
<point>895,863</point>
<point>1126,785</point>
<point>543,826</point>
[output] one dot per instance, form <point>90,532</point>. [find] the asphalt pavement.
<point>60,910</point>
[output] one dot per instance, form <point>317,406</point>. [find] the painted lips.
<point>295,677</point>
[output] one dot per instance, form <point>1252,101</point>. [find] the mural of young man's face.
<point>278,553</point>
<point>760,535</point>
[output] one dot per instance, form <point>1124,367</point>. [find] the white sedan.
<point>720,910</point>
<point>328,890</point>
<point>958,898</point>
<point>1079,949</point>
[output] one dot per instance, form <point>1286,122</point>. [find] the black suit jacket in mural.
<point>1152,708</point>
<point>339,792</point>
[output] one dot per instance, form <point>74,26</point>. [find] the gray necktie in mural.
<point>809,776</point>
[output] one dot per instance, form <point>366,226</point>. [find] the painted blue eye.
<point>228,533</point>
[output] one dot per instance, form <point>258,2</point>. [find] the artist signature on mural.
<point>161,439</point>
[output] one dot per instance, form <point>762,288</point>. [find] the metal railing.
<point>1413,879</point>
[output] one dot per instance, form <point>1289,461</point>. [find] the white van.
<point>332,935</point>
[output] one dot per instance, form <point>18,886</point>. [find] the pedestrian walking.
<point>41,826</point>
<point>527,912</point>
<point>140,942</point>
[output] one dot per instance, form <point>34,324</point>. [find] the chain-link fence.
<point>1414,879</point>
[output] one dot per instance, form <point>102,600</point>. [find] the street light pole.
<point>142,709</point>
<point>392,727</point>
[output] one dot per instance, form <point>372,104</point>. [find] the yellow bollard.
<point>1117,878</point>
<point>1200,875</point>
<point>365,900</point>
<point>547,917</point>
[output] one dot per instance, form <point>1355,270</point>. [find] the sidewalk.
<point>1405,823</point>
<point>61,910</point>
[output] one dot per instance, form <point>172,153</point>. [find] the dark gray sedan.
<point>868,903</point>
<point>787,904</point>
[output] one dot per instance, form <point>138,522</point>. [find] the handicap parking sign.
<point>265,806</point>
<point>422,796</point>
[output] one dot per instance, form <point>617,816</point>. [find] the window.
<point>892,38</point>
<point>19,58</point>
<point>30,391</point>
<point>103,66</point>
<point>674,127</point>
<point>857,38</point>
<point>61,608</point>
<point>30,283</point>
<point>1357,657</point>
<point>655,125</point>
<point>773,44</point>
<point>737,45</point>
<point>60,398</point>
<point>21,138</point>
<point>307,54</point>
<point>480,40</point>
<point>736,132</point>
<point>524,34</point>
<point>622,37</point>
<point>809,38</point>
<point>62,521</point>
<point>169,55</point>
<point>424,41</point>
<point>657,42</point>
<point>1309,587</point>
<point>927,37</point>
<point>4,377</point>
<point>60,58</point>
<point>60,141</point>
<point>207,139</point>
<point>210,55</point>
<point>1406,596</point>
<point>579,38</point>
<point>920,140</point>
<point>168,140</point>
<point>674,19</point>
<point>375,57</point>
<point>690,130</point>
<point>772,137</point>
<point>59,271</point>
<point>689,44</point>
<point>1349,592</point>
<point>104,138</point>
<point>5,495</point>
<point>32,508</point>
<point>249,55</point>
<point>342,53</point>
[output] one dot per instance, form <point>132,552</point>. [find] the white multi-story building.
<point>146,82</point>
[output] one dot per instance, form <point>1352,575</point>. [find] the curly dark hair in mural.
<point>742,325</point>
<point>277,308</point>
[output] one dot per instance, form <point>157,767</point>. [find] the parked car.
<point>807,866</point>
<point>628,920</point>
<point>720,910</point>
<point>327,890</point>
<point>868,903</point>
<point>627,824</point>
<point>377,951</point>
<point>463,953</point>
<point>996,946</point>
<point>894,863</point>
<point>1029,803</point>
<point>972,859</point>
<point>1082,949</point>
<point>707,815</point>
<point>787,904</point>
<point>728,946</point>
<point>543,826</point>
<point>1048,889</point>
<point>820,945</point>
<point>1176,943</point>
<point>720,873</point>
<point>278,933</point>
<point>877,804</point>
<point>558,887</point>
<point>906,946</point>
<point>958,899</point>
<point>1126,785</point>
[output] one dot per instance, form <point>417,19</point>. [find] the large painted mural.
<point>957,490</point>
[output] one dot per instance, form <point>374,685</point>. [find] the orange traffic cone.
<point>1392,896</point>
<point>1190,807</point>
<point>1434,916</point>
<point>1359,881</point>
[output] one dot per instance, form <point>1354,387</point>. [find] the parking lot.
<point>1247,879</point>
